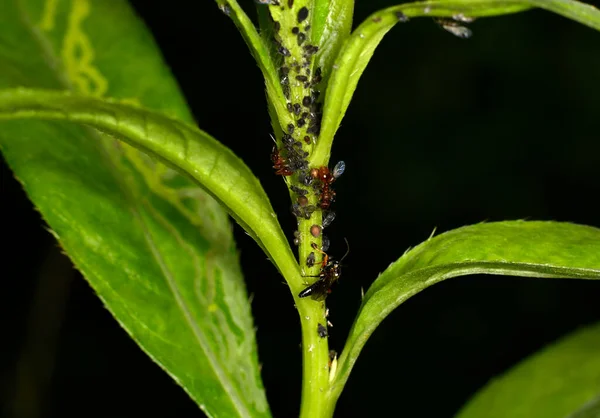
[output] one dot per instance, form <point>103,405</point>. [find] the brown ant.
<point>331,270</point>
<point>326,178</point>
<point>279,164</point>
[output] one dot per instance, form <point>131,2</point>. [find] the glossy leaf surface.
<point>155,247</point>
<point>514,248</point>
<point>560,381</point>
<point>331,26</point>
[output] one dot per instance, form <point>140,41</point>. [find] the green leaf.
<point>261,51</point>
<point>356,53</point>
<point>182,146</point>
<point>590,410</point>
<point>515,248</point>
<point>562,380</point>
<point>331,26</point>
<point>155,247</point>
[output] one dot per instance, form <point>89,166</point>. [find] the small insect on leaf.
<point>328,219</point>
<point>322,331</point>
<point>459,17</point>
<point>325,243</point>
<point>339,169</point>
<point>454,27</point>
<point>310,260</point>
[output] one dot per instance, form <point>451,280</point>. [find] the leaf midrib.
<point>56,67</point>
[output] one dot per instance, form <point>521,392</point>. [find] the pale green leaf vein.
<point>187,315</point>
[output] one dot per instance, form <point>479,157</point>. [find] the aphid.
<point>322,331</point>
<point>290,3</point>
<point>297,210</point>
<point>401,17</point>
<point>295,30</point>
<point>307,139</point>
<point>376,19</point>
<point>302,201</point>
<point>297,107</point>
<point>299,191</point>
<point>313,129</point>
<point>302,78</point>
<point>328,219</point>
<point>459,17</point>
<point>306,101</point>
<point>301,38</point>
<point>310,50</point>
<point>454,27</point>
<point>315,230</point>
<point>224,7</point>
<point>284,51</point>
<point>302,14</point>
<point>318,76</point>
<point>339,169</point>
<point>308,211</point>
<point>290,128</point>
<point>279,164</point>
<point>310,260</point>
<point>325,243</point>
<point>276,26</point>
<point>300,122</point>
<point>287,140</point>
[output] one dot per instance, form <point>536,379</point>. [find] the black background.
<point>442,132</point>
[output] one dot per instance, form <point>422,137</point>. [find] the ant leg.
<point>325,256</point>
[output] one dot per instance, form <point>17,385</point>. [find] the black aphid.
<point>322,331</point>
<point>302,14</point>
<point>301,38</point>
<point>328,219</point>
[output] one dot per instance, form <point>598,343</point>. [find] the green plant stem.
<point>315,350</point>
<point>315,356</point>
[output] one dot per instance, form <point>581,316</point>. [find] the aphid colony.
<point>299,82</point>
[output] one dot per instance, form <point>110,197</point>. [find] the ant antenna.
<point>347,251</point>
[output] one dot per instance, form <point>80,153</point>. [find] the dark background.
<point>442,132</point>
